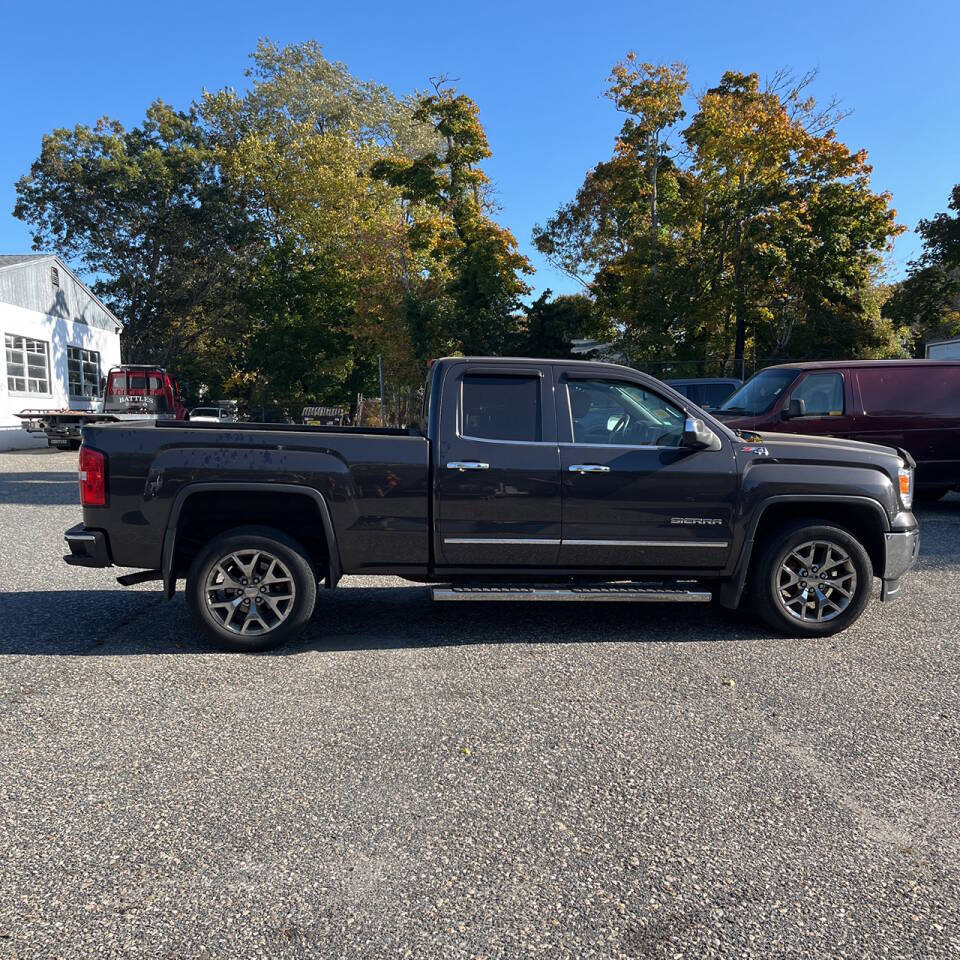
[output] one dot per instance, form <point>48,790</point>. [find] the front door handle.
<point>589,468</point>
<point>462,465</point>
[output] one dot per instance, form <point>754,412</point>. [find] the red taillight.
<point>93,487</point>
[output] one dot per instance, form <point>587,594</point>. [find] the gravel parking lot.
<point>455,780</point>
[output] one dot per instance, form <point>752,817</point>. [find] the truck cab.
<point>142,391</point>
<point>576,467</point>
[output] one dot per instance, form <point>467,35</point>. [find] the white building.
<point>944,349</point>
<point>58,338</point>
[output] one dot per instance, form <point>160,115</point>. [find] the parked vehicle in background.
<point>531,480</point>
<point>706,392</point>
<point>943,349</point>
<point>212,415</point>
<point>913,404</point>
<point>130,392</point>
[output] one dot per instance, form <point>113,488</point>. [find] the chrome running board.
<point>605,592</point>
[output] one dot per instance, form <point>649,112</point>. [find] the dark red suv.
<point>913,404</point>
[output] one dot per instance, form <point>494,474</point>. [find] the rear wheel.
<point>812,579</point>
<point>252,588</point>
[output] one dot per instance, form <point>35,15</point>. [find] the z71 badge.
<point>759,451</point>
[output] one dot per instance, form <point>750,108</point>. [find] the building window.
<point>55,276</point>
<point>28,364</point>
<point>83,373</point>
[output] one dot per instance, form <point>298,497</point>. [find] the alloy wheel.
<point>816,581</point>
<point>249,592</point>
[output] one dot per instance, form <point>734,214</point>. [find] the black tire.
<point>768,577</point>
<point>294,567</point>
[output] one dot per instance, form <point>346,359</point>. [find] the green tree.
<point>144,213</point>
<point>480,268</point>
<point>549,325</point>
<point>762,236</point>
<point>926,305</point>
<point>299,345</point>
<point>652,98</point>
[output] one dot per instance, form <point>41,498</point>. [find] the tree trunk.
<point>654,212</point>
<point>740,299</point>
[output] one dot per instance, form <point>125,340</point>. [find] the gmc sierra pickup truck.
<point>525,480</point>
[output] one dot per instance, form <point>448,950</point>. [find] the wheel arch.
<point>327,562</point>
<point>862,516</point>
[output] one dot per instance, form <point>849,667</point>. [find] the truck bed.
<point>374,481</point>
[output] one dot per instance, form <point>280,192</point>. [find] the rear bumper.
<point>88,548</point>
<point>900,554</point>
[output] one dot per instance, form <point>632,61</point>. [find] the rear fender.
<point>334,571</point>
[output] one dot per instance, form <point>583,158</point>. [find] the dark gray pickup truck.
<point>525,480</point>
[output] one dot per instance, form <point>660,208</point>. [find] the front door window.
<point>614,412</point>
<point>821,393</point>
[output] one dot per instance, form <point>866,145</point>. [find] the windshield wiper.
<point>724,410</point>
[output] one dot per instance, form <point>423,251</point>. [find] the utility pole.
<point>383,421</point>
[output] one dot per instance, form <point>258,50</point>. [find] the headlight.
<point>905,479</point>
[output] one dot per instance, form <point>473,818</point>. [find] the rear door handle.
<point>588,468</point>
<point>462,465</point>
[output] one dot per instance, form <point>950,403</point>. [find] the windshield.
<point>758,394</point>
<point>205,412</point>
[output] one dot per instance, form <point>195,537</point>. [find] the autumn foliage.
<point>272,244</point>
<point>750,230</point>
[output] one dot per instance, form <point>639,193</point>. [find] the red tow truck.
<point>130,392</point>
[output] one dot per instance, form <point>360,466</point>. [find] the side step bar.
<point>606,592</point>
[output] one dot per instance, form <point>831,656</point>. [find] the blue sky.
<point>537,71</point>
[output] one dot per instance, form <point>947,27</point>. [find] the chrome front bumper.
<point>900,554</point>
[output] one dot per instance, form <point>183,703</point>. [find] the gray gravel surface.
<point>450,780</point>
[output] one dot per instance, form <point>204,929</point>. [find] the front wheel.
<point>252,588</point>
<point>812,579</point>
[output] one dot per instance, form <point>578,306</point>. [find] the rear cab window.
<point>136,391</point>
<point>498,407</point>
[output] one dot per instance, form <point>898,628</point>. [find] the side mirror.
<point>698,436</point>
<point>795,408</point>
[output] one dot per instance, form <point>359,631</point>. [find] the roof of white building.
<point>13,261</point>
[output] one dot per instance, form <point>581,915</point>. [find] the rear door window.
<point>910,391</point>
<point>501,408</point>
<point>821,393</point>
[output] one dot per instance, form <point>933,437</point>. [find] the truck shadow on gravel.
<point>49,488</point>
<point>119,622</point>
